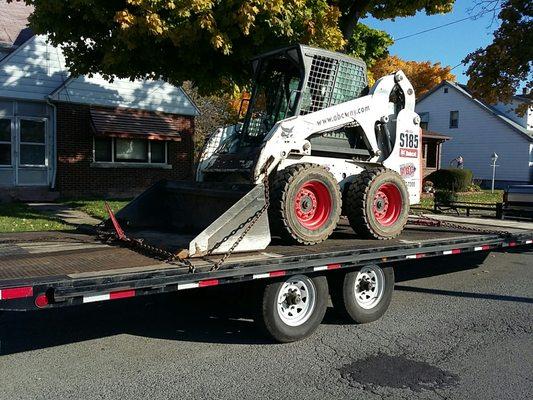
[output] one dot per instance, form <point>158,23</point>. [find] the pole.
<point>493,176</point>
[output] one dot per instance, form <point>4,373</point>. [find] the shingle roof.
<point>13,21</point>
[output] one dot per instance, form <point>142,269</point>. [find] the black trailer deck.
<point>56,269</point>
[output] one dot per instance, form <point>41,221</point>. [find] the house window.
<point>103,149</point>
<point>5,141</point>
<point>32,142</point>
<point>454,119</point>
<point>445,90</point>
<point>119,150</point>
<point>424,120</point>
<point>131,150</point>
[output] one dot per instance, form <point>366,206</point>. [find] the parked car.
<point>518,201</point>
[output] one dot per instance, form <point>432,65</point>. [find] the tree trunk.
<point>351,17</point>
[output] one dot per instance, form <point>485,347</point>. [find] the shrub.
<point>473,188</point>
<point>445,197</point>
<point>454,179</point>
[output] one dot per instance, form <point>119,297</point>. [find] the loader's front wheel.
<point>377,204</point>
<point>306,203</point>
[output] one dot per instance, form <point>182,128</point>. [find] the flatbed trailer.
<point>59,269</point>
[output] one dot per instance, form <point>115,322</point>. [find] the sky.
<point>447,45</point>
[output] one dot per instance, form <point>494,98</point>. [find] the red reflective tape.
<point>209,282</point>
<point>334,266</point>
<point>124,294</point>
<point>512,244</point>
<point>16,293</point>
<point>456,251</point>
<point>420,255</point>
<point>485,247</point>
<point>276,273</point>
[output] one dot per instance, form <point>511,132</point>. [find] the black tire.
<point>343,292</point>
<point>269,319</point>
<point>366,191</point>
<point>288,188</point>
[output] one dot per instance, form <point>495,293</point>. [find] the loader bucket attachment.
<point>198,216</point>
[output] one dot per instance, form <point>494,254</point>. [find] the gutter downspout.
<point>54,148</point>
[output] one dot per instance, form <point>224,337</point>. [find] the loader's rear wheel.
<point>377,204</point>
<point>306,203</point>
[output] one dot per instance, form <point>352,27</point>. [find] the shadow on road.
<point>453,293</point>
<point>213,315</point>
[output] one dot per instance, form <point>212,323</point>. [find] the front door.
<point>31,153</point>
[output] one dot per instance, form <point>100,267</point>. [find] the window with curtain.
<point>119,150</point>
<point>454,119</point>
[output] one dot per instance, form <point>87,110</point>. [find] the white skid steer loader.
<point>316,143</point>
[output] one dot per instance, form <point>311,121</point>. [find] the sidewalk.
<point>65,213</point>
<point>490,222</point>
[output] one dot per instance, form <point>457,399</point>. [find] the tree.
<point>423,75</point>
<point>498,70</point>
<point>206,41</point>
<point>353,10</point>
<point>215,111</point>
<point>369,44</point>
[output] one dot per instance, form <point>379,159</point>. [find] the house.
<point>477,130</point>
<point>84,136</point>
<point>431,150</point>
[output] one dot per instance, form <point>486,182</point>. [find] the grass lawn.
<point>18,217</point>
<point>96,208</point>
<point>483,197</point>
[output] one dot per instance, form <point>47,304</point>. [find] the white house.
<point>477,130</point>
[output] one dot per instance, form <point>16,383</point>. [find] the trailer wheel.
<point>363,296</point>
<point>292,309</point>
<point>377,204</point>
<point>306,203</point>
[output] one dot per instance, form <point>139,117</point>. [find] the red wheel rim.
<point>313,205</point>
<point>387,204</point>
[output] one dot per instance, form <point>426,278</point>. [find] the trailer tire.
<point>306,204</point>
<point>353,303</point>
<point>377,204</point>
<point>283,320</point>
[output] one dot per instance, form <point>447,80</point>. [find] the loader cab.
<point>299,80</point>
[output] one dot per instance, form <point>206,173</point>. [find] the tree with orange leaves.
<point>423,75</point>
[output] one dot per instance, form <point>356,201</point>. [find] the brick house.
<point>84,136</point>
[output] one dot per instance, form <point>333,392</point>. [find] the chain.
<point>247,225</point>
<point>425,220</point>
<point>140,246</point>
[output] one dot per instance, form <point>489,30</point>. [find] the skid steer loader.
<point>315,143</point>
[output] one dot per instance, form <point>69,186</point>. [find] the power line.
<point>447,24</point>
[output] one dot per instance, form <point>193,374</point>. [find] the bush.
<point>445,197</point>
<point>454,179</point>
<point>473,188</point>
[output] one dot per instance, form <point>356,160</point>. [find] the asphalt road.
<point>458,328</point>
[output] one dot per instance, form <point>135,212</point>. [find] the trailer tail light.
<point>16,293</point>
<point>41,301</point>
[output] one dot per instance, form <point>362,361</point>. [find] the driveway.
<point>458,328</point>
